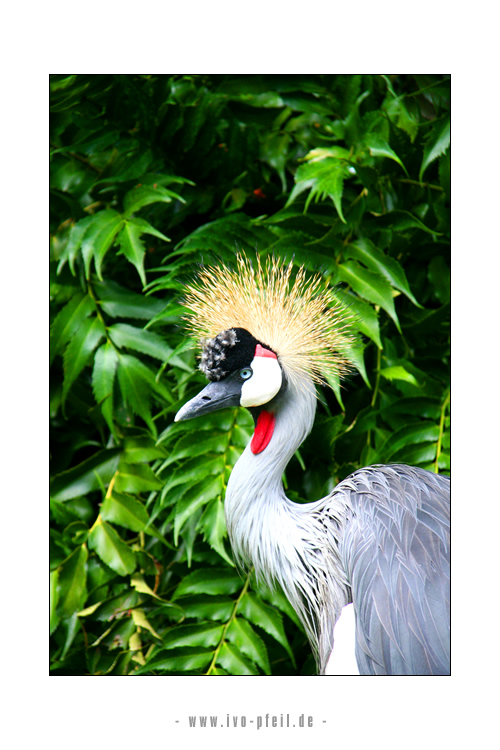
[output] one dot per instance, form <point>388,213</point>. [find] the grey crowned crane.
<point>380,539</point>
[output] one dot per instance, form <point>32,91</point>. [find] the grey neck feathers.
<point>293,545</point>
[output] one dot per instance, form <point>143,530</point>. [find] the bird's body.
<point>380,539</point>
<point>390,520</point>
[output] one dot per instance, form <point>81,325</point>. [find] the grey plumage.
<point>380,539</point>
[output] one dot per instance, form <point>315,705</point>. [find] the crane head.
<point>261,328</point>
<point>242,372</point>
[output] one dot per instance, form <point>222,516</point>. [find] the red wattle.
<point>263,432</point>
<point>260,351</point>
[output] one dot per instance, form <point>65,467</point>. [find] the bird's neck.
<point>286,542</point>
<point>255,497</point>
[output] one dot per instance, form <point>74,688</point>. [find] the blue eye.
<point>246,373</point>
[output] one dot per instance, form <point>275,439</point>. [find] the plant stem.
<point>228,623</point>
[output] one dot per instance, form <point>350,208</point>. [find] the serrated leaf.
<point>185,447</point>
<point>104,240</point>
<point>267,618</point>
<point>147,228</point>
<point>232,660</point>
<point>207,607</point>
<point>397,372</point>
<point>79,350</point>
<point>179,660</point>
<point>145,195</point>
<point>112,550</point>
<point>72,583</point>
<point>133,248</point>
<point>140,340</point>
<point>365,251</point>
<point>221,237</point>
<point>403,119</point>
<point>124,510</point>
<point>204,634</point>
<point>213,525</point>
<point>379,147</point>
<point>68,321</point>
<point>86,477</point>
<point>103,378</point>
<point>437,143</point>
<point>370,286</point>
<point>195,498</point>
<point>100,223</point>
<point>243,636</point>
<point>137,384</point>
<point>209,581</point>
<point>74,243</point>
<point>323,173</point>
<point>141,449</point>
<point>136,478</point>
<point>365,316</point>
<point>119,302</point>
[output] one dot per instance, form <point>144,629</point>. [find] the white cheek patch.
<point>265,381</point>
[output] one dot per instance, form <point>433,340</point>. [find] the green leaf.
<point>141,621</point>
<point>213,525</point>
<point>137,385</point>
<point>267,618</point>
<point>103,226</point>
<point>103,378</point>
<point>119,302</point>
<point>232,660</point>
<point>323,173</point>
<point>193,499</point>
<point>111,548</point>
<point>439,276</point>
<point>365,316</point>
<point>103,242</point>
<point>54,600</point>
<point>146,228</point>
<point>74,243</point>
<point>379,147</point>
<point>179,660</point>
<point>133,248</point>
<point>136,478</point>
<point>87,476</point>
<point>243,636</point>
<point>209,581</point>
<point>140,340</point>
<point>79,350</point>
<point>437,143</point>
<point>68,321</point>
<point>369,285</point>
<point>398,373</point>
<point>419,432</point>
<point>72,583</point>
<point>204,634</point>
<point>365,251</point>
<point>207,607</point>
<point>124,510</point>
<point>145,195</point>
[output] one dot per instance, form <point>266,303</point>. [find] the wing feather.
<point>396,553</point>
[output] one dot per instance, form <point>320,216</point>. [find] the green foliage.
<point>151,175</point>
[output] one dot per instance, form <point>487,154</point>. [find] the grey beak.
<point>216,395</point>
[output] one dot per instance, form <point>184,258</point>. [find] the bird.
<point>269,334</point>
